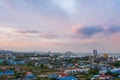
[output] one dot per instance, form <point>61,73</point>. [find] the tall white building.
<point>95,53</point>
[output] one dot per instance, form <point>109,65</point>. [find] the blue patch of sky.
<point>45,7</point>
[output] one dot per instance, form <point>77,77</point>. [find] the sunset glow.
<point>60,25</point>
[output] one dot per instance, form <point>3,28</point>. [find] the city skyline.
<point>60,25</point>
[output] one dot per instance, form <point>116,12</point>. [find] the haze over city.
<point>60,25</point>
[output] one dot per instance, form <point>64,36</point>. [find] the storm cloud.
<point>89,31</point>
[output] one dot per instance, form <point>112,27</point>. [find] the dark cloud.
<point>28,31</point>
<point>44,35</point>
<point>113,29</point>
<point>89,31</point>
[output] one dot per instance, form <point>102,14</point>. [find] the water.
<point>101,54</point>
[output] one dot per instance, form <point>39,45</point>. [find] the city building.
<point>95,53</point>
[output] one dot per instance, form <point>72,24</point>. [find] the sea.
<point>100,54</point>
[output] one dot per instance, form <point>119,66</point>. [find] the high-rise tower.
<point>95,53</point>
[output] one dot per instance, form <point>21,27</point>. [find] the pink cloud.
<point>75,28</point>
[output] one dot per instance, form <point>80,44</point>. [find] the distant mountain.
<point>6,51</point>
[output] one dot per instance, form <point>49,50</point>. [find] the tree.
<point>43,66</point>
<point>116,64</point>
<point>93,71</point>
<point>112,74</point>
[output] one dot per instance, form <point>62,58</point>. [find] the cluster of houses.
<point>7,72</point>
<point>27,76</point>
<point>62,77</point>
<point>69,63</point>
<point>106,72</point>
<point>102,74</point>
<point>12,61</point>
<point>102,77</point>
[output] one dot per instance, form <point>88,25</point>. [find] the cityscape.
<point>59,39</point>
<point>58,66</point>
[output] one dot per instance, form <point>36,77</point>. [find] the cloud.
<point>82,31</point>
<point>6,29</point>
<point>50,35</point>
<point>113,29</point>
<point>87,31</point>
<point>28,31</point>
<point>90,30</point>
<point>47,8</point>
<point>69,6</point>
<point>11,33</point>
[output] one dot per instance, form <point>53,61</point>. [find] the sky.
<point>60,25</point>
